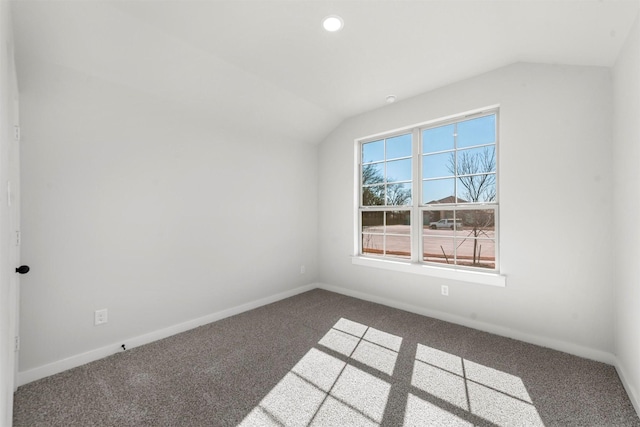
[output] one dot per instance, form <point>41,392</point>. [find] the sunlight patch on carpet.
<point>348,378</point>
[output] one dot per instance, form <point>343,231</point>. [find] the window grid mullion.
<point>416,187</point>
<point>386,188</point>
<point>384,231</point>
<point>455,236</point>
<point>455,163</point>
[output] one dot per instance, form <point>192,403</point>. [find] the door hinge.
<point>18,238</point>
<point>16,133</point>
<point>17,344</point>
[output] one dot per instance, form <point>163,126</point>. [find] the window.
<point>387,181</point>
<point>429,194</point>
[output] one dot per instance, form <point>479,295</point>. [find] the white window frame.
<point>416,265</point>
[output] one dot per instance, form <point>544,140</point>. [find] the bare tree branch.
<point>475,171</point>
<point>373,189</point>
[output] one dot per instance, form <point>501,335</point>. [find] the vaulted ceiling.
<point>270,65</point>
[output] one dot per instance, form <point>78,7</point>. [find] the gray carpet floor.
<point>324,359</point>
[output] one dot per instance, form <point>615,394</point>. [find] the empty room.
<point>319,213</point>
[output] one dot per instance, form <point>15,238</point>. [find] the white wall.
<point>8,252</point>
<point>555,207</point>
<point>626,248</point>
<point>142,207</point>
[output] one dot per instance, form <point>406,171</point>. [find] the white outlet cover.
<point>100,317</point>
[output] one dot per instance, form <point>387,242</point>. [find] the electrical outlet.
<point>444,290</point>
<point>100,317</point>
<point>303,269</point>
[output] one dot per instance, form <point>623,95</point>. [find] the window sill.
<point>491,279</point>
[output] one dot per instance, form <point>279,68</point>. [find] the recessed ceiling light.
<point>390,99</point>
<point>332,23</point>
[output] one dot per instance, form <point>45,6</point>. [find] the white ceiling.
<point>269,65</point>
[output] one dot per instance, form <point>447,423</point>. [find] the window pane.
<point>372,244</point>
<point>399,170</point>
<point>478,223</point>
<point>373,151</point>
<point>398,222</point>
<point>373,195</point>
<point>477,188</point>
<point>373,222</point>
<point>476,253</point>
<point>477,131</point>
<point>476,160</point>
<point>437,139</point>
<point>372,173</point>
<point>399,194</point>
<point>430,216</point>
<point>399,146</point>
<point>438,249</point>
<point>438,165</point>
<point>438,191</point>
<point>392,239</point>
<point>398,246</point>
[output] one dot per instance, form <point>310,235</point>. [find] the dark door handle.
<point>23,269</point>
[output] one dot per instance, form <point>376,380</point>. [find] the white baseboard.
<point>575,349</point>
<point>99,353</point>
<point>633,394</point>
<point>37,373</point>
